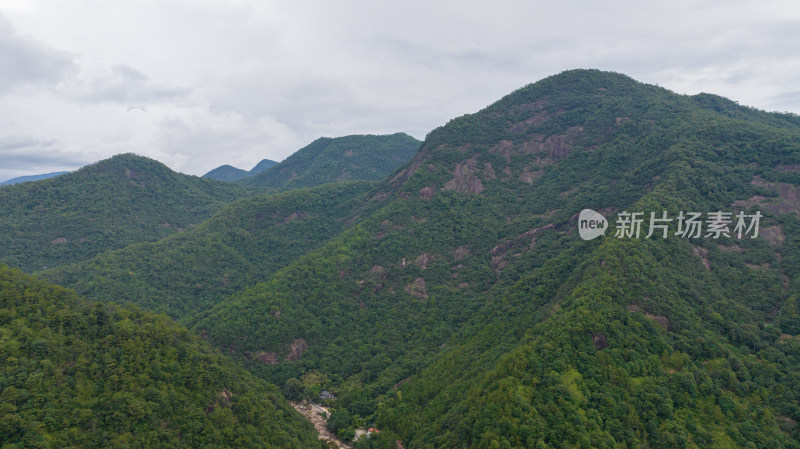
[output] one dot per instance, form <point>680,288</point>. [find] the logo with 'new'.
<point>688,225</point>
<point>591,224</point>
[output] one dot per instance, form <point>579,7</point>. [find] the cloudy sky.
<point>200,83</point>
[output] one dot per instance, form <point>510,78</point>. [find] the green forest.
<point>339,159</point>
<point>107,205</point>
<point>444,296</point>
<point>92,374</point>
<point>245,242</point>
<point>230,173</point>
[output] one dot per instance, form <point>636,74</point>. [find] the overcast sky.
<point>200,83</point>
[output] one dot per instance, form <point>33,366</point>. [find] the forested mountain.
<point>348,158</point>
<point>230,173</point>
<point>81,374</point>
<point>467,312</point>
<point>107,205</point>
<point>454,304</point>
<point>31,178</point>
<point>242,244</point>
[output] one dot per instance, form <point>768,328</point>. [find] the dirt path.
<point>311,411</point>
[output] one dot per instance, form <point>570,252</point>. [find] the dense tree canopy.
<point>348,158</point>
<point>82,374</point>
<point>108,205</point>
<point>453,304</point>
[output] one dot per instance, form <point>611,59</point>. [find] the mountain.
<point>261,166</point>
<point>106,205</point>
<point>455,304</point>
<point>230,173</point>
<point>227,173</point>
<point>82,374</point>
<point>465,311</point>
<point>244,243</point>
<point>32,178</point>
<point>349,158</point>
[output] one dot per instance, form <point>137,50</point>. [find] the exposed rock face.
<point>226,396</point>
<point>268,358</point>
<point>661,320</point>
<point>465,178</point>
<point>702,253</point>
<point>417,288</point>
<point>600,341</point>
<point>530,176</point>
<point>297,349</point>
<point>423,260</point>
<point>792,168</point>
<point>773,234</point>
<point>788,200</point>
<point>527,238</point>
<point>426,192</point>
<point>460,252</point>
<point>556,146</point>
<point>553,148</point>
<point>295,216</point>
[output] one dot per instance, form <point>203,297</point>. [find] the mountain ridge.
<point>230,173</point>
<point>105,205</point>
<point>356,157</point>
<point>489,199</point>
<point>457,306</point>
<point>234,248</point>
<point>29,178</point>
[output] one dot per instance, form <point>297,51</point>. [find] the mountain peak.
<point>230,173</point>
<point>106,205</point>
<point>354,157</point>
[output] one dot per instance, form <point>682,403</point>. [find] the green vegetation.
<point>31,178</point>
<point>453,304</point>
<point>229,173</point>
<point>469,277</point>
<point>107,205</point>
<point>242,244</point>
<point>349,158</point>
<point>81,374</point>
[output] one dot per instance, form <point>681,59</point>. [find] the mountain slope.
<point>32,178</point>
<point>359,157</point>
<point>227,173</point>
<point>261,166</point>
<point>80,374</point>
<point>230,173</point>
<point>471,264</point>
<point>107,205</point>
<point>637,349</point>
<point>242,244</point>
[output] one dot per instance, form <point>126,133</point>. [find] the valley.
<point>439,290</point>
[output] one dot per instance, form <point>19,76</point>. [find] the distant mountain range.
<point>446,298</point>
<point>190,272</point>
<point>31,178</point>
<point>348,158</point>
<point>230,173</point>
<point>107,205</point>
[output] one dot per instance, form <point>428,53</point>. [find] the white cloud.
<point>120,84</point>
<point>25,62</point>
<point>197,84</point>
